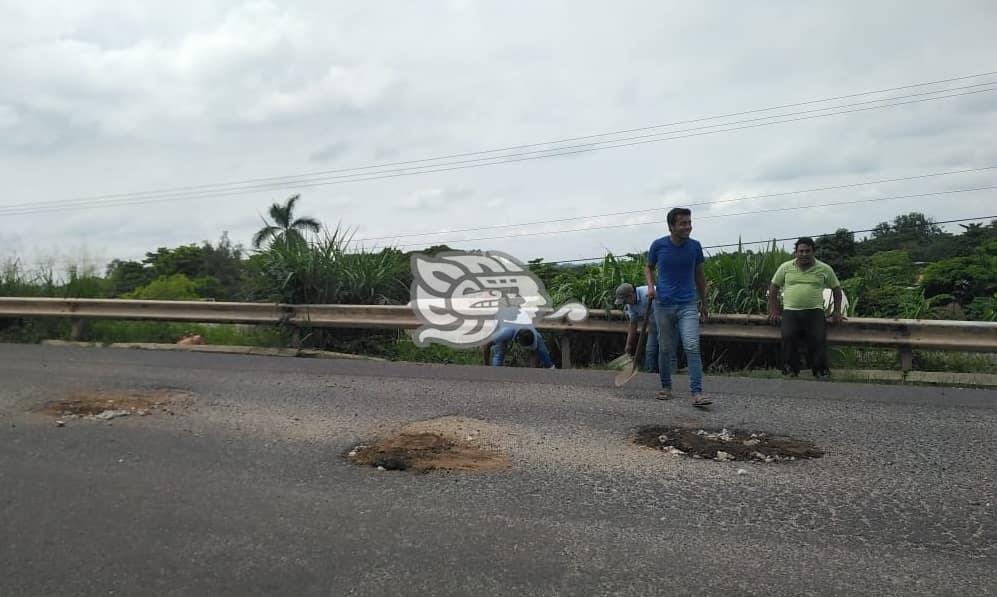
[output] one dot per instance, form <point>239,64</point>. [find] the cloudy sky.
<point>108,101</point>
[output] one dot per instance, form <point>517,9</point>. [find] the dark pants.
<point>809,328</point>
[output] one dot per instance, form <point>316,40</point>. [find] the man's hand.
<point>651,293</point>
<point>704,312</point>
<point>775,317</point>
<point>836,318</point>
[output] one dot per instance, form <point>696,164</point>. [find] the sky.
<point>118,98</point>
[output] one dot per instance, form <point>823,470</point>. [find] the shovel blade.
<point>621,362</point>
<point>626,375</point>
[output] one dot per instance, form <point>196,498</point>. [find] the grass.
<point>151,331</point>
<point>847,357</point>
<point>404,349</point>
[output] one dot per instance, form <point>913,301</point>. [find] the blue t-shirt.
<point>676,269</point>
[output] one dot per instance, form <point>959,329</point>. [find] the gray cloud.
<point>815,162</point>
<point>434,200</point>
<point>112,97</point>
<point>330,152</point>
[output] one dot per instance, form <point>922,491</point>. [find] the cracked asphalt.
<point>246,491</point>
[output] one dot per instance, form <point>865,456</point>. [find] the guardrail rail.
<point>904,335</point>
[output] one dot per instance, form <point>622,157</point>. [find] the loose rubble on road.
<point>448,443</point>
<point>725,445</point>
<point>109,405</point>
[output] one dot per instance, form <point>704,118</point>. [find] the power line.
<point>701,203</point>
<point>766,241</point>
<point>173,190</point>
<point>743,213</point>
<point>588,259</point>
<point>137,198</point>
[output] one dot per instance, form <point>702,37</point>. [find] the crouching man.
<point>526,336</point>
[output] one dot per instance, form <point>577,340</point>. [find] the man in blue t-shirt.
<point>679,296</point>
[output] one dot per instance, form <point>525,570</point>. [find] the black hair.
<point>524,337</point>
<point>805,240</point>
<point>675,212</point>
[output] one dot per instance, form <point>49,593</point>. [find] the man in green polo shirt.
<point>803,280</point>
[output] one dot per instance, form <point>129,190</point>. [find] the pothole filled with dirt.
<point>725,445</point>
<point>108,405</point>
<point>449,444</point>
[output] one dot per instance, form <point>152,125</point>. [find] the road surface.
<point>246,491</point>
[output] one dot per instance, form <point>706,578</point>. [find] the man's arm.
<point>486,350</point>
<point>775,312</point>
<point>836,314</point>
<point>701,289</point>
<point>631,337</point>
<point>649,279</point>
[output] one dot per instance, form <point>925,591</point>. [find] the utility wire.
<point>653,209</point>
<point>590,259</point>
<point>743,213</point>
<point>137,199</point>
<point>766,241</point>
<point>173,190</point>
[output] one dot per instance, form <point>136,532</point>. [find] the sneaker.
<point>664,394</point>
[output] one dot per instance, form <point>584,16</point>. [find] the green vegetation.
<point>907,268</point>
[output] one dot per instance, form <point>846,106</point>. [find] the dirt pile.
<point>107,405</point>
<point>450,443</point>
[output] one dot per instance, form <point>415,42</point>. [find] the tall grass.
<point>595,285</point>
<point>738,281</point>
<point>16,280</point>
<point>326,271</point>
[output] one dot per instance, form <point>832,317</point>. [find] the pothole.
<point>724,445</point>
<point>449,443</point>
<point>108,405</point>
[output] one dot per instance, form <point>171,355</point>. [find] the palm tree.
<point>284,228</point>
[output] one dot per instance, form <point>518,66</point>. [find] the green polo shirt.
<point>804,289</point>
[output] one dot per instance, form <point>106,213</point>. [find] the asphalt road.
<point>246,491</point>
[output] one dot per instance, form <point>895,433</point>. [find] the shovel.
<point>621,362</point>
<point>630,369</point>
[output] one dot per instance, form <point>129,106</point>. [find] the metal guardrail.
<point>901,334</point>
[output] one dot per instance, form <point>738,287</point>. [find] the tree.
<point>886,280</point>
<point>917,225</point>
<point>283,227</point>
<point>838,251</point>
<point>965,278</point>
<point>125,276</point>
<point>217,268</point>
<point>185,259</point>
<point>914,233</point>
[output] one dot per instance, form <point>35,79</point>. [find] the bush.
<point>177,287</point>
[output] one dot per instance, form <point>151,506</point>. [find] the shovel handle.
<point>640,339</point>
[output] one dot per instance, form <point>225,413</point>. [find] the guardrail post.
<point>906,359</point>
<point>295,337</point>
<point>77,328</point>
<point>565,342</point>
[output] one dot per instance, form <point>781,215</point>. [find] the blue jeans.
<point>507,334</point>
<point>683,318</point>
<point>651,348</point>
